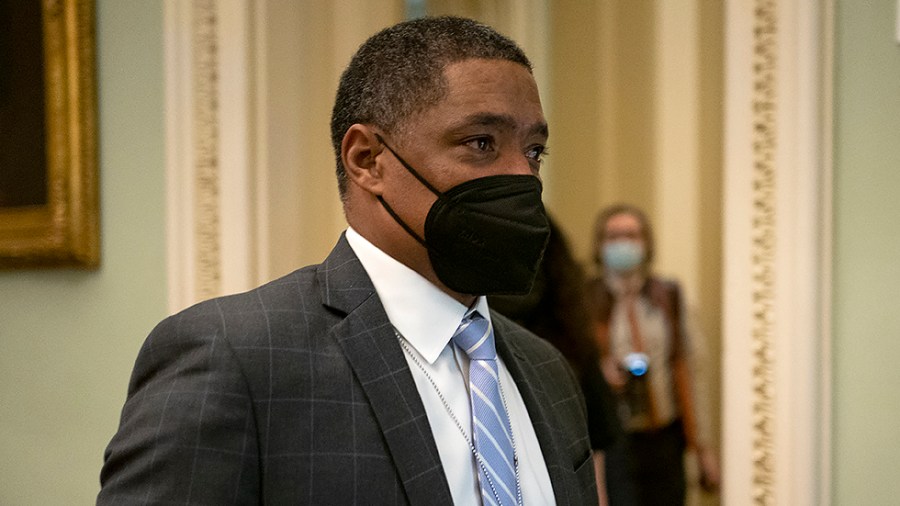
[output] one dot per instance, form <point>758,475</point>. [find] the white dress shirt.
<point>427,317</point>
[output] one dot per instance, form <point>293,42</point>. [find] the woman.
<point>646,359</point>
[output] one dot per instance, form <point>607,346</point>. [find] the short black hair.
<point>400,71</point>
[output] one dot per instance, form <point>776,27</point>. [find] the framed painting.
<point>49,203</point>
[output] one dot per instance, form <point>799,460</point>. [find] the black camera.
<point>637,390</point>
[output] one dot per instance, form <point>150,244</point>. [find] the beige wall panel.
<point>305,46</point>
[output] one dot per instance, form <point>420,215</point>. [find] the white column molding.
<point>776,357</point>
<point>179,153</point>
<point>237,147</point>
<point>205,160</point>
<point>209,169</point>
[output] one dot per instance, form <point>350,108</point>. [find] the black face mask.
<point>485,236</point>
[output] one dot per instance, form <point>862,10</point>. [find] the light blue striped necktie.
<point>490,422</point>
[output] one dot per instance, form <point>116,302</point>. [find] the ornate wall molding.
<point>206,148</point>
<point>209,171</point>
<point>776,360</point>
<point>765,36</point>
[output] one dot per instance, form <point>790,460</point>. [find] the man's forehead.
<point>486,73</point>
<point>491,93</point>
<point>501,121</point>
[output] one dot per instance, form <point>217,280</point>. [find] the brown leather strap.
<point>681,372</point>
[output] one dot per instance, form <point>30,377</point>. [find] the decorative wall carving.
<point>765,31</point>
<point>206,147</point>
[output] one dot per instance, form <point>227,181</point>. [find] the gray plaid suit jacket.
<point>298,392</point>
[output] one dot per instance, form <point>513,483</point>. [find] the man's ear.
<point>359,151</point>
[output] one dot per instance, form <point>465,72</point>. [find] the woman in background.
<point>646,356</point>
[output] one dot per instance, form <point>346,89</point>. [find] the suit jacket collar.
<point>539,403</point>
<point>371,347</point>
<point>368,340</point>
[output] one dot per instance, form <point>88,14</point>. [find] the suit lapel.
<point>370,345</point>
<point>539,403</point>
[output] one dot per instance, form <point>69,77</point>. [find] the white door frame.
<point>777,253</point>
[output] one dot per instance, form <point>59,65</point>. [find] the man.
<point>372,378</point>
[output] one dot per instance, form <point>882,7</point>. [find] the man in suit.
<point>350,382</point>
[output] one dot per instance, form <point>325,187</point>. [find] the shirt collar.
<point>421,312</point>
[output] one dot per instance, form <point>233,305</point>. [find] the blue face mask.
<point>622,256</point>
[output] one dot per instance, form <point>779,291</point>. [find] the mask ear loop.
<point>408,167</point>
<point>421,180</point>
<point>402,224</point>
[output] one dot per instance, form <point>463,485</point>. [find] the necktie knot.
<point>474,336</point>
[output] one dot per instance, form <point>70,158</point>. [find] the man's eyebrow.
<point>502,121</point>
<point>540,129</point>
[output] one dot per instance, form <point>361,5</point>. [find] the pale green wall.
<point>68,339</point>
<point>866,460</point>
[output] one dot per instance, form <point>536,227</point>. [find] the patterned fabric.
<point>298,392</point>
<point>490,421</point>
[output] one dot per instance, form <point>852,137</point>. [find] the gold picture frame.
<point>62,229</point>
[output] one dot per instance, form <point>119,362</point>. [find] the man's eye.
<point>537,153</point>
<point>481,143</point>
